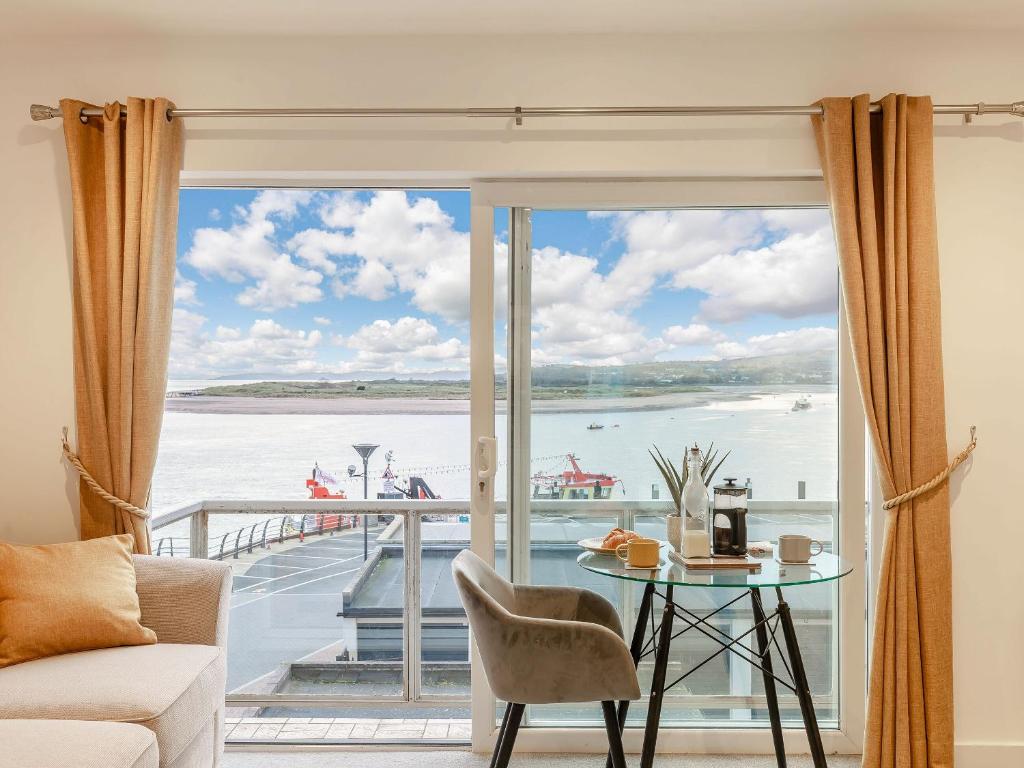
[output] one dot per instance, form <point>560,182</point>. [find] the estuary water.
<point>270,456</point>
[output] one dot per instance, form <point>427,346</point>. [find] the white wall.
<point>980,201</point>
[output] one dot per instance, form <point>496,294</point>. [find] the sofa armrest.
<point>184,600</point>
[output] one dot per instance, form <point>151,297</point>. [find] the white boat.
<point>802,403</point>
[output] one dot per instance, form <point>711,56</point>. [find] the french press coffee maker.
<point>729,519</point>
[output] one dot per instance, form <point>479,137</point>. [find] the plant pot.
<point>674,524</point>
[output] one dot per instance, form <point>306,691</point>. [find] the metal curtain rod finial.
<point>43,112</point>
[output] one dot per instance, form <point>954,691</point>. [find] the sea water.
<point>270,456</point>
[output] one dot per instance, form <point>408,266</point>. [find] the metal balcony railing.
<point>257,536</point>
<point>290,519</point>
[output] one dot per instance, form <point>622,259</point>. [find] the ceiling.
<point>371,17</point>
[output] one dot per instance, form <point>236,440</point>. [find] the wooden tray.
<point>746,563</point>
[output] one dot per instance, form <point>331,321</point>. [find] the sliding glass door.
<point>623,324</point>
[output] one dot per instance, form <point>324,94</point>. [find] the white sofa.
<point>136,706</point>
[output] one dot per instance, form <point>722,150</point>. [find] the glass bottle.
<point>697,535</point>
<point>695,494</point>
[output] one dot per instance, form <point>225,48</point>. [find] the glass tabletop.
<point>820,568</point>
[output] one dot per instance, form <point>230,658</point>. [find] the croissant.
<point>617,537</point>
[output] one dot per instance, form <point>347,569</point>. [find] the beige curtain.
<point>878,170</point>
<point>124,186</point>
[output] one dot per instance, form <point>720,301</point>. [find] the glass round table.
<point>823,567</point>
<point>653,637</point>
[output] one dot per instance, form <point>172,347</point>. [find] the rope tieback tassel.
<point>99,490</point>
<point>959,459</point>
<point>144,514</point>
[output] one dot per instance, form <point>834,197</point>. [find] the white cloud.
<point>582,315</point>
<point>374,281</point>
<point>316,246</point>
<point>803,221</point>
<point>721,253</point>
<point>659,244</point>
<point>578,314</point>
<point>794,277</point>
<point>265,346</point>
<point>214,214</point>
<point>185,323</point>
<point>342,210</point>
<point>692,335</point>
<point>246,251</point>
<point>394,243</point>
<point>278,202</point>
<point>184,290</point>
<point>567,334</point>
<point>403,335</point>
<point>383,344</point>
<point>451,349</point>
<point>283,284</point>
<point>784,342</point>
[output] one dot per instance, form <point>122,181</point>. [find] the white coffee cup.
<point>794,548</point>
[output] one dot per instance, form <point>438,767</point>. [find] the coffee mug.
<point>794,548</point>
<point>640,553</point>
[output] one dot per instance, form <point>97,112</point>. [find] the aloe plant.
<point>675,479</point>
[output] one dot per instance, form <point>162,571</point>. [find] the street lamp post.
<point>364,450</point>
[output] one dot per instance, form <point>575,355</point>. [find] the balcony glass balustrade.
<point>346,626</point>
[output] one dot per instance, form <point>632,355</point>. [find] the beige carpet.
<point>355,758</point>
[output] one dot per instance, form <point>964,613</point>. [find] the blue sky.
<point>360,284</point>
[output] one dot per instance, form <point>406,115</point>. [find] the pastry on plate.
<point>617,537</point>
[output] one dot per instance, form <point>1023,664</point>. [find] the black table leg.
<point>658,684</point>
<point>769,682</point>
<point>803,690</point>
<point>635,649</point>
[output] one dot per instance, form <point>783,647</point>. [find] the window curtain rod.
<point>968,111</point>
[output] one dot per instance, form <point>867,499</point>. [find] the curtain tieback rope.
<point>144,514</point>
<point>913,493</point>
<point>99,490</point>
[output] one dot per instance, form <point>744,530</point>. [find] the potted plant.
<point>675,480</point>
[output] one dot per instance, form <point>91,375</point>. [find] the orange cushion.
<point>60,598</point>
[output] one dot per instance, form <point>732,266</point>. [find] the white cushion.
<point>63,743</point>
<point>173,690</point>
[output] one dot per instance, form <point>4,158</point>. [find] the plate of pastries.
<point>607,545</point>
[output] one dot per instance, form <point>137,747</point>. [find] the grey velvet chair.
<point>545,645</point>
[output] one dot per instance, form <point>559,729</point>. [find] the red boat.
<point>574,484</point>
<point>318,488</point>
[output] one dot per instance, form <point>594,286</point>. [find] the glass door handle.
<point>487,450</point>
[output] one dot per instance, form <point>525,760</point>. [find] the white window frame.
<point>622,193</point>
<point>619,194</point>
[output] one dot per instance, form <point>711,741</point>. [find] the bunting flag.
<point>325,478</point>
<point>428,470</point>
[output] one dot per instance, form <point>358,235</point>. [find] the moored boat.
<point>573,483</point>
<point>318,485</point>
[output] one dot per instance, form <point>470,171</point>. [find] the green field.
<point>572,382</point>
<point>427,390</point>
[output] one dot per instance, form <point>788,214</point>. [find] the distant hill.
<point>441,375</point>
<point>561,381</point>
<point>803,368</point>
